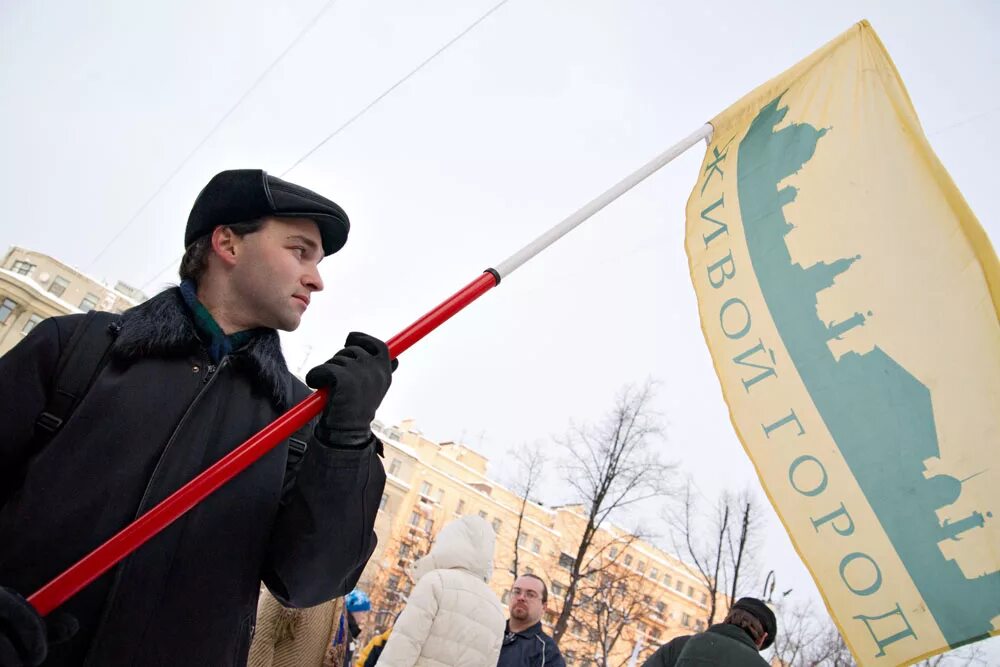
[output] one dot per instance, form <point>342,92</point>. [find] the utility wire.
<point>395,85</point>
<point>965,121</point>
<point>363,110</point>
<point>274,63</point>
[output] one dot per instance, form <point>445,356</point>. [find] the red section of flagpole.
<point>130,538</point>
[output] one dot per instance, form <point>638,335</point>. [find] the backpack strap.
<point>79,363</point>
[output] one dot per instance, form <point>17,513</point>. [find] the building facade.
<point>633,594</point>
<point>34,286</point>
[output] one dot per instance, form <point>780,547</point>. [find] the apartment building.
<point>35,286</point>
<point>634,592</point>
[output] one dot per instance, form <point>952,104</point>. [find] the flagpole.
<point>130,538</point>
<point>509,265</point>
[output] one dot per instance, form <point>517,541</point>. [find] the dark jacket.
<point>529,648</point>
<point>723,644</point>
<point>370,654</point>
<point>666,655</point>
<point>157,414</point>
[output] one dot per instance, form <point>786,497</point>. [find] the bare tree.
<point>724,552</point>
<point>619,599</point>
<point>610,466</point>
<point>390,585</point>
<point>530,463</point>
<point>807,640</point>
<point>966,656</point>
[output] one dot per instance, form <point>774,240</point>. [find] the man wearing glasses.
<point>524,643</point>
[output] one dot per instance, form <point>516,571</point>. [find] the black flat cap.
<point>762,613</point>
<point>241,195</point>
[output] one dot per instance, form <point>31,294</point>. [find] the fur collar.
<point>162,326</point>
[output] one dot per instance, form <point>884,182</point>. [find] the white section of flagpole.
<point>506,267</point>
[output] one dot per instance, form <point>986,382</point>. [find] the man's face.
<point>276,272</point>
<point>526,600</point>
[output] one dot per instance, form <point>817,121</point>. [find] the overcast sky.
<point>531,114</point>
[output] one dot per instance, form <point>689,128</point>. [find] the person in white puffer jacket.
<point>452,617</point>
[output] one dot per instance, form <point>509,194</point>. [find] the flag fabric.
<point>850,299</point>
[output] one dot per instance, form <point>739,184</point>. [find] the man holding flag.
<point>104,416</point>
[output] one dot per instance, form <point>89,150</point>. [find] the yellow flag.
<point>850,300</point>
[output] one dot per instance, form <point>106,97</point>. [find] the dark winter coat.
<point>666,655</point>
<point>722,645</point>
<point>159,413</point>
<point>529,648</point>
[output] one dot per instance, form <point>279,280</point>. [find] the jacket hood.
<point>162,326</point>
<point>465,544</point>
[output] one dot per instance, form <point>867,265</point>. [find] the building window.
<point>614,551</point>
<point>440,495</point>
<point>536,545</point>
<point>522,540</point>
<point>393,583</point>
<point>686,620</point>
<point>577,629</point>
<point>528,570</point>
<point>496,526</point>
<point>557,589</point>
<point>461,507</point>
<point>565,561</point>
<point>384,502</point>
<point>704,599</point>
<point>89,303</point>
<point>679,587</point>
<point>404,550</point>
<point>505,597</point>
<point>428,524</point>
<point>31,323</point>
<point>654,573</point>
<point>58,286</point>
<point>425,489</point>
<point>641,567</point>
<point>655,633</point>
<point>6,308</point>
<point>414,518</point>
<point>628,559</point>
<point>667,579</point>
<point>691,592</point>
<point>661,608</point>
<point>699,625</point>
<point>482,514</point>
<point>22,267</point>
<point>394,466</point>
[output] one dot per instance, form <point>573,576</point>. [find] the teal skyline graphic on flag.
<point>879,414</point>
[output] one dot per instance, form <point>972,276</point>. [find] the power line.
<point>161,272</point>
<point>274,63</point>
<point>965,121</point>
<point>395,85</point>
<point>363,110</point>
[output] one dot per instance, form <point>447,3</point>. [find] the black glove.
<point>358,377</point>
<point>24,635</point>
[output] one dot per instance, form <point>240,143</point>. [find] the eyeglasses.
<point>525,592</point>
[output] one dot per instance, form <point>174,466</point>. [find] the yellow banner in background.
<point>850,300</point>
